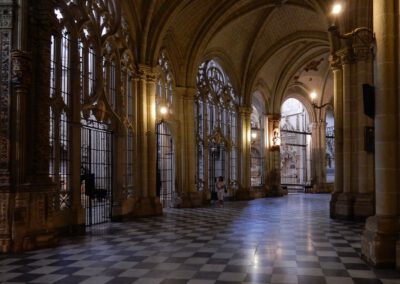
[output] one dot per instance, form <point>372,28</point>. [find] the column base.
<point>398,255</point>
<point>380,240</point>
<point>323,188</point>
<point>258,192</point>
<point>242,194</point>
<point>276,191</point>
<point>191,199</point>
<point>364,206</point>
<point>344,206</point>
<point>147,206</point>
<point>332,204</point>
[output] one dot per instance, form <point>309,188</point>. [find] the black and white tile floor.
<point>282,240</point>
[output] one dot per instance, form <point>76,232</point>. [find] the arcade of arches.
<point>112,110</point>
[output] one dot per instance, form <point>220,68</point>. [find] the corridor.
<point>285,240</point>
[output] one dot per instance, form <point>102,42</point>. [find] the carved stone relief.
<point>5,49</point>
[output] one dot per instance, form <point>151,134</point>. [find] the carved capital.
<point>335,63</point>
<point>245,111</point>
<point>145,72</point>
<point>6,12</point>
<point>346,56</point>
<point>21,69</point>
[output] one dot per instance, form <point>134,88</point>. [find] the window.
<point>216,127</point>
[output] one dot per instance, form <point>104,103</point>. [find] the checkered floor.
<point>277,240</point>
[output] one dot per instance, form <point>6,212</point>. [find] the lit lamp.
<point>313,97</point>
<point>364,34</point>
<point>163,111</point>
<point>253,136</point>
<point>336,9</point>
<point>276,139</point>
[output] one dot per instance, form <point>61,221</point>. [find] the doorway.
<point>295,146</point>
<point>96,171</point>
<point>165,166</point>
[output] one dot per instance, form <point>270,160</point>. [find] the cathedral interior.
<point>117,118</point>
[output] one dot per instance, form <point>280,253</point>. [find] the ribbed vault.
<point>268,41</point>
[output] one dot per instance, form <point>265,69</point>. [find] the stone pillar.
<point>9,165</point>
<point>318,155</point>
<point>190,196</point>
<point>382,230</point>
<point>356,199</point>
<point>364,204</point>
<point>345,200</point>
<point>244,153</point>
<point>338,113</point>
<point>273,163</point>
<point>148,203</point>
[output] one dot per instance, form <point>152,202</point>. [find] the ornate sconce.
<point>163,111</point>
<point>313,96</point>
<point>254,135</point>
<point>275,136</point>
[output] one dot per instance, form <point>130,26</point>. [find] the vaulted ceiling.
<point>274,47</point>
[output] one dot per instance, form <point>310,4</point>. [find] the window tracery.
<point>216,119</point>
<point>95,32</point>
<point>165,81</point>
<point>60,110</point>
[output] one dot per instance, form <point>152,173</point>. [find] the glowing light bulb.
<point>337,9</point>
<point>163,110</point>
<point>313,95</point>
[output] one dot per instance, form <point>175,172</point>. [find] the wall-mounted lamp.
<point>163,111</point>
<point>363,34</point>
<point>254,135</point>
<point>313,97</point>
<point>336,9</point>
<point>276,138</point>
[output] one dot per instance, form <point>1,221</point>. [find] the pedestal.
<point>243,194</point>
<point>379,241</point>
<point>147,206</point>
<point>364,206</point>
<point>344,206</point>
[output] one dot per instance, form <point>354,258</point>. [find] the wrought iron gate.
<point>96,171</point>
<point>165,166</point>
<point>295,159</point>
<point>216,164</point>
<point>330,154</point>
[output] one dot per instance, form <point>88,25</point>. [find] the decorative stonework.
<point>21,69</point>
<point>5,49</point>
<point>4,225</point>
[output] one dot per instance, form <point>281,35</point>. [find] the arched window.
<point>165,81</point>
<point>60,110</point>
<point>96,34</point>
<point>165,140</point>
<point>257,145</point>
<point>330,146</point>
<point>216,127</point>
<point>127,79</point>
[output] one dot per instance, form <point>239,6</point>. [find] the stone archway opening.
<point>295,146</point>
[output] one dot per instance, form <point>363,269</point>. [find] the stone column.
<point>338,113</point>
<point>148,203</point>
<point>120,152</point>
<point>191,197</point>
<point>244,153</point>
<point>345,200</point>
<point>9,122</point>
<point>382,230</point>
<point>364,204</point>
<point>273,163</point>
<point>318,155</point>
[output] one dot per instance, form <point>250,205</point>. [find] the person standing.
<point>221,188</point>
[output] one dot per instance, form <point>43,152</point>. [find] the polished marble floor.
<point>277,240</point>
